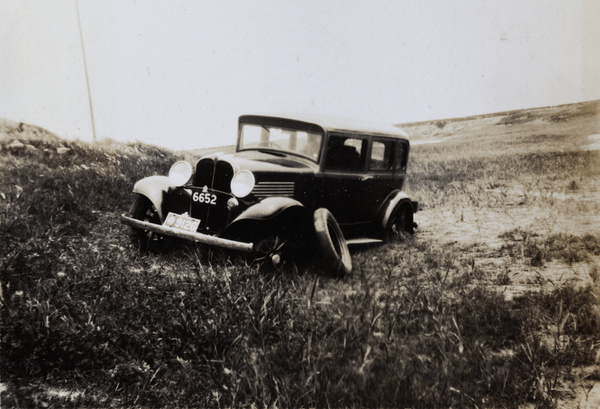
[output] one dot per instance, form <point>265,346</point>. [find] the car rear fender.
<point>393,200</point>
<point>153,187</point>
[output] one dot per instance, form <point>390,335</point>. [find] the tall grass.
<point>414,328</point>
<point>487,175</point>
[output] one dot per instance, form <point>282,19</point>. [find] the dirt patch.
<point>593,143</point>
<point>486,233</point>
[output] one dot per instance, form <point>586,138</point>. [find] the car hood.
<point>256,161</point>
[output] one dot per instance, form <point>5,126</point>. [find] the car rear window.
<point>382,155</point>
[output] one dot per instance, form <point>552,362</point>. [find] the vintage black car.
<point>297,186</point>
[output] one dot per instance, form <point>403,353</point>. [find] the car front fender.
<point>153,187</point>
<point>274,214</point>
<point>268,208</point>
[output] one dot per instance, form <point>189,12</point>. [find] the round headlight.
<point>180,173</point>
<point>242,183</point>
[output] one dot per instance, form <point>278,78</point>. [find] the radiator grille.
<point>215,175</point>
<point>205,170</point>
<point>273,189</point>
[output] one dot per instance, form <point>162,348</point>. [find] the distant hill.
<point>24,132</point>
<point>210,151</point>
<point>455,127</point>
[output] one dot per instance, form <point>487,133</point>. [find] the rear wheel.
<point>335,256</point>
<point>143,209</point>
<point>399,224</point>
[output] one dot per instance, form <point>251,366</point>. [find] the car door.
<point>384,171</point>
<point>342,185</point>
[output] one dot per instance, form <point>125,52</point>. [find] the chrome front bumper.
<point>197,237</point>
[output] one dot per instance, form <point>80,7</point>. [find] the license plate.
<point>205,197</point>
<point>181,222</point>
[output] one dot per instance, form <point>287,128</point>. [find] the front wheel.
<point>143,209</point>
<point>336,258</point>
<point>272,252</point>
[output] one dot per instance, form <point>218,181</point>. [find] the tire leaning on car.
<point>336,259</point>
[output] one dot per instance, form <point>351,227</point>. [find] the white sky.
<point>179,73</point>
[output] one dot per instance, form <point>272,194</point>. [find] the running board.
<point>363,240</point>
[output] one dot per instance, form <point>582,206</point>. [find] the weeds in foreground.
<point>414,327</point>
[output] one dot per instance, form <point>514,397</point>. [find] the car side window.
<point>401,156</point>
<point>345,153</point>
<point>382,155</point>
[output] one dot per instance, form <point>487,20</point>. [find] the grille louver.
<point>273,189</point>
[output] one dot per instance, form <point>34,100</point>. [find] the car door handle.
<point>362,179</point>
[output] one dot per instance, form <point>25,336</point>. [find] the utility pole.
<point>87,80</point>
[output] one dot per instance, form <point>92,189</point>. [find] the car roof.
<point>334,123</point>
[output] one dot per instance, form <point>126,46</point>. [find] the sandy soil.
<point>485,230</point>
<point>481,233</point>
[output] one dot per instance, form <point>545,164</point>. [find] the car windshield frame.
<point>281,138</point>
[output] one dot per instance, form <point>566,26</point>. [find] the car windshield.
<point>294,141</point>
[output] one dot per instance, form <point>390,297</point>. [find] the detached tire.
<point>143,209</point>
<point>336,259</point>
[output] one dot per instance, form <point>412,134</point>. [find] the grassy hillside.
<point>583,115</point>
<point>492,303</point>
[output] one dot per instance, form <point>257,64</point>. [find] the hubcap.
<point>269,250</point>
